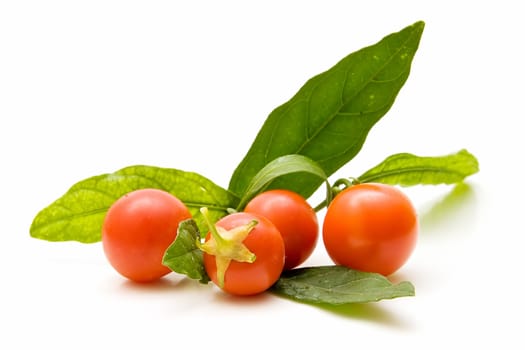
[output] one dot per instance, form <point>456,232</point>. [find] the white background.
<point>88,87</point>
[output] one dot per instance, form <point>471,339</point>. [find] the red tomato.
<point>370,227</point>
<point>137,230</point>
<point>264,241</point>
<point>294,218</point>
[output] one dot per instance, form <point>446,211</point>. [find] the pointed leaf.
<point>329,118</point>
<point>406,169</point>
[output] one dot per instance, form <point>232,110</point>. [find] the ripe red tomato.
<point>264,241</point>
<point>137,230</point>
<point>370,227</point>
<point>294,218</point>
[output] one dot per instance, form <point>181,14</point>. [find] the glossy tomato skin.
<point>137,230</point>
<point>295,219</point>
<point>371,227</point>
<point>265,241</point>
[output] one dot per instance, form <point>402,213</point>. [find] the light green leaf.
<point>78,215</point>
<point>406,169</point>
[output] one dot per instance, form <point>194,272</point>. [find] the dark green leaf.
<point>183,256</point>
<point>78,215</point>
<point>338,285</point>
<point>289,164</point>
<point>330,116</point>
<point>406,169</point>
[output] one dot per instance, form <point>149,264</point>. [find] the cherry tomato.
<point>370,227</point>
<point>137,230</point>
<point>294,218</point>
<point>261,240</point>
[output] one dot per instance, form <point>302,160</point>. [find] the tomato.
<point>253,256</point>
<point>294,218</point>
<point>137,230</point>
<point>370,227</point>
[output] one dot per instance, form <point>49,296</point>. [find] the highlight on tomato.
<point>295,219</point>
<point>370,227</point>
<point>243,253</point>
<point>137,230</point>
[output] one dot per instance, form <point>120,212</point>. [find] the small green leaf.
<point>329,118</point>
<point>78,215</point>
<point>406,169</point>
<point>338,285</point>
<point>289,164</point>
<point>183,256</point>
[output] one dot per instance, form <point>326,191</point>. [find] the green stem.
<point>332,191</point>
<point>211,226</point>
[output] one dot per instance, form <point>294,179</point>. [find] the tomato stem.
<point>231,210</point>
<point>211,226</point>
<point>337,187</point>
<point>343,183</point>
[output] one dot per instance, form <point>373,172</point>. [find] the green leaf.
<point>329,118</point>
<point>338,285</point>
<point>78,215</point>
<point>289,164</point>
<point>183,256</point>
<point>406,169</point>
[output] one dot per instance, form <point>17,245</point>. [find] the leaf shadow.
<point>459,202</point>
<point>370,312</point>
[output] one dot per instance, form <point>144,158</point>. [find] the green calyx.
<point>226,245</point>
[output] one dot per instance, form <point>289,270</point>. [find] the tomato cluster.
<point>367,227</point>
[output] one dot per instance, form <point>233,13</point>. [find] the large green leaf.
<point>78,215</point>
<point>330,116</point>
<point>338,285</point>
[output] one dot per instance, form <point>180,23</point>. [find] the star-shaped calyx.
<point>226,245</point>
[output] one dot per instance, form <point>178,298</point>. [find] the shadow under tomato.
<point>226,298</point>
<point>398,277</point>
<point>164,284</point>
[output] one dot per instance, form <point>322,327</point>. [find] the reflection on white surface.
<point>91,87</point>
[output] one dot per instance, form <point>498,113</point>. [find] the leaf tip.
<point>419,25</point>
